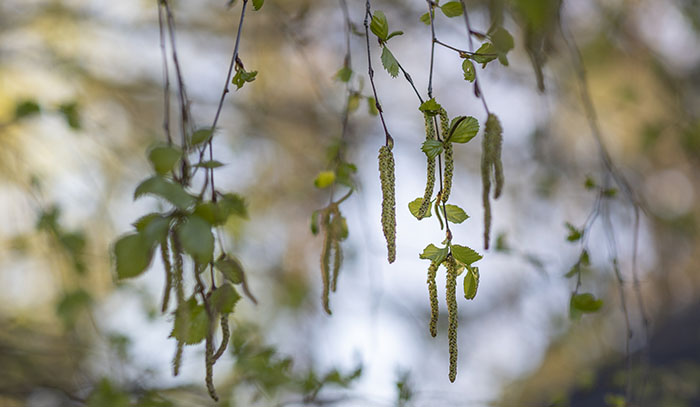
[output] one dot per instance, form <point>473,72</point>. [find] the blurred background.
<point>81,100</point>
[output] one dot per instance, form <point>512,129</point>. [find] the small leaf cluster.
<point>380,27</point>
<point>457,259</point>
<point>185,229</point>
<point>334,227</point>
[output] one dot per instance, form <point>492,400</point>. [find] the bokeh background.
<point>81,100</point>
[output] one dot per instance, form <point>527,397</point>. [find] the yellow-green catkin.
<point>448,156</point>
<point>326,260</point>
<point>430,179</point>
<point>178,277</point>
<point>493,127</point>
<point>337,262</point>
<point>225,336</point>
<point>432,292</point>
<point>452,316</point>
<point>491,161</point>
<point>388,180</point>
<point>209,366</point>
<point>165,254</point>
<point>486,188</point>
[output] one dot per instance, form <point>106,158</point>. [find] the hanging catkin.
<point>209,366</point>
<point>432,292</point>
<point>225,336</point>
<point>337,262</point>
<point>430,179</point>
<point>494,126</point>
<point>387,178</point>
<point>452,316</point>
<point>491,161</point>
<point>326,259</point>
<point>448,156</point>
<point>178,277</point>
<point>165,254</point>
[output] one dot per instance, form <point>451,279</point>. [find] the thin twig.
<point>479,92</point>
<point>388,140</point>
<point>166,76</point>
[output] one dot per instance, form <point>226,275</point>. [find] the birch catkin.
<point>493,126</point>
<point>337,262</point>
<point>432,291</point>
<point>165,254</point>
<point>388,180</point>
<point>452,316</point>
<point>430,179</point>
<point>326,259</point>
<point>491,161</point>
<point>448,156</point>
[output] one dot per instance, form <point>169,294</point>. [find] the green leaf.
<point>314,222</point>
<point>191,322</point>
<point>162,188</point>
<point>584,259</point>
<point>463,129</point>
<point>435,254</point>
<point>104,395</point>
<point>26,108</point>
<point>210,164</point>
<point>425,18</point>
<point>155,230</point>
<point>574,233</point>
<point>465,255</point>
<point>502,40</point>
<point>344,74</point>
<point>233,204</point>
<point>414,206</point>
<point>324,179</point>
<point>257,4</point>
<point>242,76</point>
<point>469,71</point>
<point>455,214</point>
<point>451,9</point>
<point>589,184</point>
<point>485,54</point>
<point>430,107</point>
<point>394,34</point>
<point>390,63</point>
<point>196,239</point>
<point>163,158</point>
<point>585,302</point>
<point>471,283</point>
<point>71,114</point>
<point>224,298</point>
<point>353,101</point>
<point>231,268</point>
<point>432,148</point>
<point>379,25</point>
<point>71,305</point>
<point>132,255</point>
<point>201,136</point>
<point>372,106</point>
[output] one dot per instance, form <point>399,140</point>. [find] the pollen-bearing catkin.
<point>486,188</point>
<point>388,179</point>
<point>165,254</point>
<point>452,316</point>
<point>432,292</point>
<point>209,365</point>
<point>491,161</point>
<point>493,127</point>
<point>449,159</point>
<point>430,179</point>
<point>326,260</point>
<point>337,262</point>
